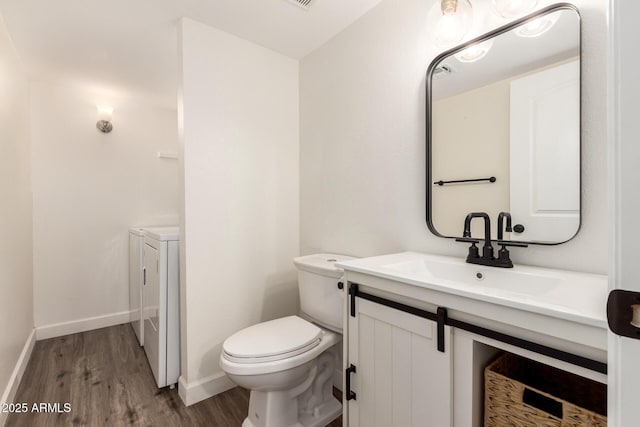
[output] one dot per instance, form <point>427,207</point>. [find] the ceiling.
<point>127,48</point>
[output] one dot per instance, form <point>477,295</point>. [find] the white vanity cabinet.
<point>415,345</point>
<point>400,378</point>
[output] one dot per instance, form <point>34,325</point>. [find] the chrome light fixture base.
<point>104,126</point>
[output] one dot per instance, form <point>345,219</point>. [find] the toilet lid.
<point>272,340</point>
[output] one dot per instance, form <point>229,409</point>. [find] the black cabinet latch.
<point>347,377</point>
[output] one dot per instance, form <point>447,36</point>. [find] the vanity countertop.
<point>574,296</point>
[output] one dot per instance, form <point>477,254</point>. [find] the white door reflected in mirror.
<point>545,153</point>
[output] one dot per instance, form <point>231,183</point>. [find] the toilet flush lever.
<point>623,313</point>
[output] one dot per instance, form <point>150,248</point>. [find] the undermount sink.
<point>560,293</point>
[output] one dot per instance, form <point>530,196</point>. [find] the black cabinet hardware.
<point>347,377</point>
<point>442,318</point>
<point>441,313</point>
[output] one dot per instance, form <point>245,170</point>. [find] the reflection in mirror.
<point>507,106</point>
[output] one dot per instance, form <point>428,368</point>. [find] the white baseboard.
<point>16,376</point>
<point>205,388</point>
<point>81,325</point>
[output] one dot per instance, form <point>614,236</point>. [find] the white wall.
<point>88,189</point>
<point>16,282</point>
<point>239,131</point>
<point>362,127</point>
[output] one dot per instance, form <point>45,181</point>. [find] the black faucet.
<point>487,258</point>
<point>487,249</point>
<point>501,217</point>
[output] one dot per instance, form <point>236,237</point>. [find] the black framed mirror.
<point>503,130</point>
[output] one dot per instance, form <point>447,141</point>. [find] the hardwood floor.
<point>105,377</point>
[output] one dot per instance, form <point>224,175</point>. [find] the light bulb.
<point>456,19</point>
<point>538,26</point>
<point>474,52</point>
<point>513,8</point>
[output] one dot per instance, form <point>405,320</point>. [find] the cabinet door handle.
<point>441,319</point>
<point>144,276</point>
<point>350,394</point>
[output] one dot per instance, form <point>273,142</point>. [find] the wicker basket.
<point>520,392</point>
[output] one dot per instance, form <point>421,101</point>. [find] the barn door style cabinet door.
<point>398,368</point>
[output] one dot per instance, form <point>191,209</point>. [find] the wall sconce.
<point>104,124</point>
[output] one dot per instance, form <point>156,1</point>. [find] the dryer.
<point>160,301</point>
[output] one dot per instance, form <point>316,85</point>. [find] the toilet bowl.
<point>289,363</point>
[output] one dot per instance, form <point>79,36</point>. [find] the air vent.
<point>304,4</point>
<point>442,71</point>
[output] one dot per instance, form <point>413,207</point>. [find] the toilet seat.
<point>274,346</point>
<point>273,358</point>
<point>273,340</point>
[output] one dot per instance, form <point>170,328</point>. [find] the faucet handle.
<point>473,249</point>
<point>503,254</point>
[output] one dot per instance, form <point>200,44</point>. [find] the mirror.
<point>508,126</point>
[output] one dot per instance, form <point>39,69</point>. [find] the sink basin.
<point>510,280</point>
<point>566,294</point>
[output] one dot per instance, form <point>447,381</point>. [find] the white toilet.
<point>288,363</point>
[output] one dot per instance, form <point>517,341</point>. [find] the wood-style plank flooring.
<point>105,376</point>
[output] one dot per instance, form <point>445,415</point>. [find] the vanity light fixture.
<point>538,26</point>
<point>474,52</point>
<point>105,114</point>
<point>513,8</point>
<point>456,19</point>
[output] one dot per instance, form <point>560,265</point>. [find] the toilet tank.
<point>320,299</point>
